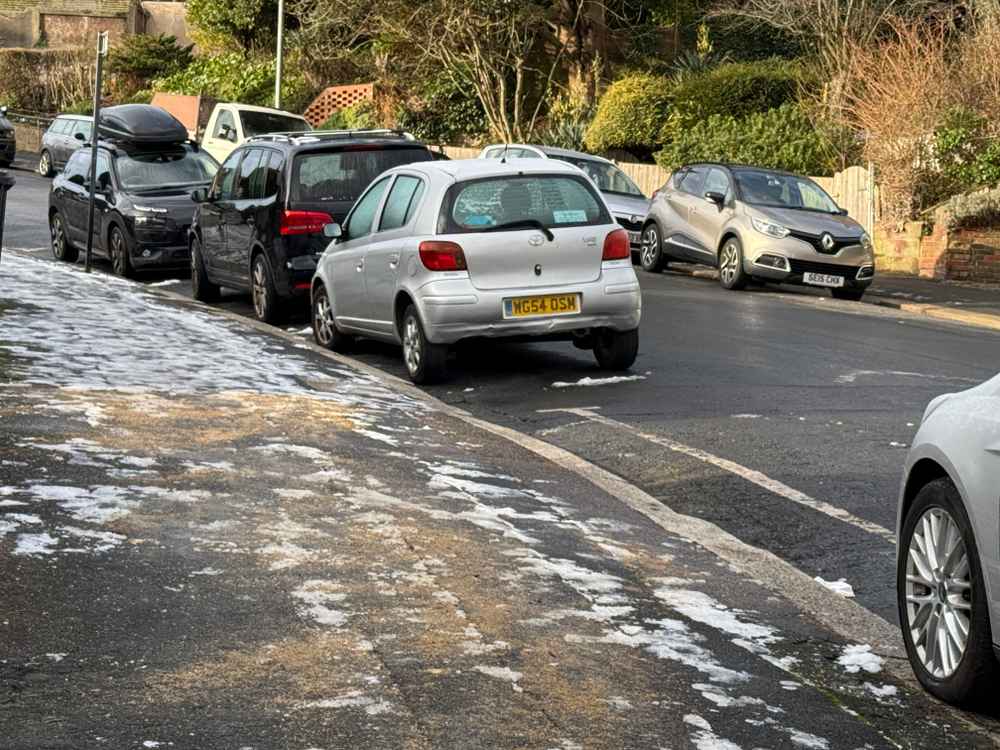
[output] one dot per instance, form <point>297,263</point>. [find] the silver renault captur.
<point>761,224</point>
<point>437,252</point>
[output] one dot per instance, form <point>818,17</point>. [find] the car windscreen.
<point>776,190</point>
<point>521,201</point>
<point>342,175</point>
<point>164,168</point>
<point>258,123</point>
<point>607,177</point>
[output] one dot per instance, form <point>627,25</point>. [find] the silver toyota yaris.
<point>948,570</point>
<point>437,252</point>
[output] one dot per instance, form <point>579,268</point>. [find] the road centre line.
<point>750,475</point>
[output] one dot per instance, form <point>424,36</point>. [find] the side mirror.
<point>332,231</point>
<point>80,136</point>
<point>715,197</point>
<point>200,195</point>
<point>841,212</point>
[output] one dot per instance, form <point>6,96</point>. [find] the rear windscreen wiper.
<point>522,224</point>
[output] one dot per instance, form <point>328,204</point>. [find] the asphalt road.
<point>821,397</point>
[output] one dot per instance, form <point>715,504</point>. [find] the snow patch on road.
<point>588,381</point>
<point>318,596</point>
<point>860,657</point>
<point>703,738</point>
<point>32,545</point>
<point>841,586</point>
<point>354,699</point>
<point>502,673</point>
<point>882,691</point>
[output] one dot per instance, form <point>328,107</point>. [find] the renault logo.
<point>827,241</point>
<point>536,240</point>
<point>538,269</point>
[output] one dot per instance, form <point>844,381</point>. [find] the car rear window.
<point>257,123</point>
<point>555,200</point>
<point>344,174</point>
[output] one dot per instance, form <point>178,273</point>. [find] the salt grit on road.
<point>210,537</point>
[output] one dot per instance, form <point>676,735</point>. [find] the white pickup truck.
<point>229,123</point>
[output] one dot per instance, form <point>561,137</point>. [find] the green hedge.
<point>444,111</point>
<point>45,80</point>
<point>630,116</point>
<point>781,138</point>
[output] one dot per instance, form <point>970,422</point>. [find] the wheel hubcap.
<point>57,237</point>
<point>938,592</point>
<point>729,265</point>
<point>259,294</point>
<point>118,253</point>
<point>649,245</point>
<point>411,345</point>
<point>43,164</point>
<point>323,319</point>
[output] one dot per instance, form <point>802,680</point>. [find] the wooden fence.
<point>851,189</point>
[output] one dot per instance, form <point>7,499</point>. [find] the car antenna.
<point>503,159</point>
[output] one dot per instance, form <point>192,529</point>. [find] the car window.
<point>175,166</point>
<point>401,203</point>
<point>692,181</point>
<point>76,168</point>
<point>359,224</point>
<point>493,153</point>
<point>103,170</point>
<point>250,161</point>
<point>607,177</point>
<point>553,200</point>
<point>258,176</point>
<point>762,188</point>
<point>342,175</point>
<point>274,169</point>
<point>225,178</point>
<point>82,126</point>
<point>60,127</point>
<point>256,123</point>
<point>224,121</point>
<point>717,181</point>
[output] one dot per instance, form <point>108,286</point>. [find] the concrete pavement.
<point>215,537</point>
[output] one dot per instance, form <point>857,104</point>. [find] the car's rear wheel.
<point>854,295</point>
<point>45,164</point>
<point>731,273</point>
<point>121,263</point>
<point>325,329</point>
<point>201,286</point>
<point>62,248</point>
<point>616,350</point>
<point>266,306</point>
<point>651,256</point>
<point>942,600</point>
<point>425,362</point>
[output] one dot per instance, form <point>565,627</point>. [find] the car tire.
<point>651,256</point>
<point>62,248</point>
<point>266,305</point>
<point>425,362</point>
<point>202,288</point>
<point>616,350</point>
<point>45,164</point>
<point>853,295</point>
<point>939,505</point>
<point>121,263</point>
<point>324,326</point>
<point>731,273</point>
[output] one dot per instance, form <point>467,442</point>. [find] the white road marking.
<point>850,377</point>
<point>750,475</point>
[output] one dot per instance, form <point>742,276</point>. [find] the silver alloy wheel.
<point>44,165</point>
<point>323,319</point>
<point>729,263</point>
<point>938,592</point>
<point>650,241</point>
<point>58,237</point>
<point>412,347</point>
<point>118,260</point>
<point>259,289</point>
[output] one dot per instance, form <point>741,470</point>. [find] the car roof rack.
<point>306,136</point>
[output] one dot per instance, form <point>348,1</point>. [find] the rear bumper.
<point>453,309</point>
<point>294,278</point>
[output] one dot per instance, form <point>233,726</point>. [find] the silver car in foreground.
<point>628,204</point>
<point>948,569</point>
<point>437,252</point>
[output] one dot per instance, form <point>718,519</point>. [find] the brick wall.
<point>73,30</point>
<point>898,249</point>
<point>974,255</point>
<point>932,251</point>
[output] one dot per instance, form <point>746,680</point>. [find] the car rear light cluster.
<point>303,222</point>
<point>616,246</point>
<point>442,256</point>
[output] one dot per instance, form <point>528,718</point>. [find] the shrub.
<point>358,116</point>
<point>737,89</point>
<point>44,80</point>
<point>248,23</point>
<point>142,57</point>
<point>965,156</point>
<point>974,209</point>
<point>444,112</point>
<point>566,122</point>
<point>630,116</point>
<point>781,138</point>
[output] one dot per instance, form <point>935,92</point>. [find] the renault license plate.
<point>822,279</point>
<point>542,305</point>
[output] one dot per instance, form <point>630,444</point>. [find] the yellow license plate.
<point>548,304</point>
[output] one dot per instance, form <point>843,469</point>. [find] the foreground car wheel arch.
<point>941,595</point>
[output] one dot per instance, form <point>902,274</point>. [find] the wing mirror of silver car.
<point>332,231</point>
<point>714,197</point>
<point>199,195</point>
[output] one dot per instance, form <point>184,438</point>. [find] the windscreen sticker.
<point>568,217</point>
<point>478,220</point>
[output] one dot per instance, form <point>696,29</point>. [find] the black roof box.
<point>141,124</point>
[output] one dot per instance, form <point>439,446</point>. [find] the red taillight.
<point>442,256</point>
<point>303,222</point>
<point>616,245</point>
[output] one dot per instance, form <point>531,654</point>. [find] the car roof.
<point>553,151</point>
<point>461,170</point>
<point>318,140</point>
<point>88,118</point>
<point>737,165</point>
<point>255,108</point>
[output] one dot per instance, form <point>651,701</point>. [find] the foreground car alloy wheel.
<point>265,298</point>
<point>45,164</point>
<point>61,247</point>
<point>651,253</point>
<point>731,273</point>
<point>425,362</point>
<point>325,329</point>
<point>119,254</point>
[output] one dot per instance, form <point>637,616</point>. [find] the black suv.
<point>260,226</point>
<point>143,205</point>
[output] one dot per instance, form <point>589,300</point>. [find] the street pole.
<point>281,54</point>
<point>102,51</point>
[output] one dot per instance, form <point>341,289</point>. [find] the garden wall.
<point>934,251</point>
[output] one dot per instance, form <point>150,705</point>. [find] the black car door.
<point>240,219</point>
<point>74,196</point>
<point>210,213</point>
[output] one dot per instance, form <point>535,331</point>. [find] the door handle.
<point>393,260</point>
<point>360,267</point>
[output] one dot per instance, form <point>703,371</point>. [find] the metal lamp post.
<point>281,53</point>
<point>102,52</point>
